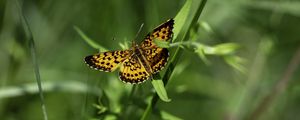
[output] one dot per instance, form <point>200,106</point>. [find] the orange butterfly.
<point>139,62</point>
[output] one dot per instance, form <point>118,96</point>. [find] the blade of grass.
<point>32,50</point>
<point>181,17</point>
<point>167,116</point>
<point>178,28</point>
<point>160,89</point>
<point>65,86</point>
<point>88,40</point>
<point>38,76</point>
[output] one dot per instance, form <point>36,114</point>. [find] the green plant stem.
<point>124,112</point>
<point>186,43</point>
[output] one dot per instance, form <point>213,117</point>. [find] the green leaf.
<point>181,17</point>
<point>221,49</point>
<point>206,27</point>
<point>182,25</point>
<point>33,54</point>
<point>124,45</point>
<point>201,54</point>
<point>101,108</point>
<point>160,89</point>
<point>235,62</point>
<point>167,116</point>
<point>163,44</point>
<point>89,41</point>
<point>180,20</point>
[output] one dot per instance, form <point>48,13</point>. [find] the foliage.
<point>229,60</point>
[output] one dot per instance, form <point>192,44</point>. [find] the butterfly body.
<point>138,63</point>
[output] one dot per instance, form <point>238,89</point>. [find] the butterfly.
<point>141,61</point>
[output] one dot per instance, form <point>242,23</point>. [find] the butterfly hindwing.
<point>133,71</point>
<point>107,61</point>
<point>157,58</point>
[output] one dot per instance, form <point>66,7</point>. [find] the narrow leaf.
<point>163,44</point>
<point>221,49</point>
<point>235,62</point>
<point>88,40</point>
<point>181,17</point>
<point>160,89</point>
<point>32,49</point>
<point>167,116</point>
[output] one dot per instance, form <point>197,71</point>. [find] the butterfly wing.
<point>133,71</point>
<point>107,61</point>
<point>162,32</point>
<point>157,57</point>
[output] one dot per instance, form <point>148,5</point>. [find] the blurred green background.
<point>268,33</point>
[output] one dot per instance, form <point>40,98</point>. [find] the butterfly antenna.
<point>142,25</point>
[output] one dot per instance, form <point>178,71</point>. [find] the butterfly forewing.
<point>157,57</point>
<point>107,61</point>
<point>162,32</point>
